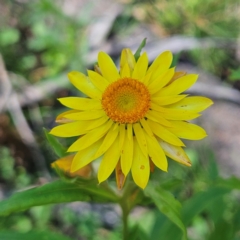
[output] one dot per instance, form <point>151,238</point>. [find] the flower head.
<point>132,118</point>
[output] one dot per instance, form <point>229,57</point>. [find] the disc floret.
<point>126,100</point>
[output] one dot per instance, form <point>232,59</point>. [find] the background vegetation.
<point>40,42</point>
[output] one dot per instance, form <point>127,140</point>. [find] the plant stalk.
<point>126,206</point>
<point>125,214</point>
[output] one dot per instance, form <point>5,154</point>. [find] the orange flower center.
<point>126,100</point>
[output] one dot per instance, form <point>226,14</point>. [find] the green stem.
<point>126,205</point>
<point>125,214</point>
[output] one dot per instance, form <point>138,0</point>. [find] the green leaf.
<point>235,75</point>
<point>212,168</point>
<point>231,183</point>
<point>137,233</point>
<point>218,232</point>
<point>138,52</point>
<point>9,36</point>
<point>191,208</point>
<point>216,214</point>
<point>38,235</point>
<point>199,202</point>
<point>168,205</point>
<point>158,228</point>
<point>57,192</point>
<point>55,144</point>
<point>236,220</point>
<point>175,59</point>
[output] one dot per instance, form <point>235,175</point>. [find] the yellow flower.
<point>131,119</point>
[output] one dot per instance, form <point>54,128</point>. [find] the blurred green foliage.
<point>39,40</point>
<point>197,18</point>
<point>16,177</point>
<point>209,202</point>
<point>219,21</point>
<point>235,75</point>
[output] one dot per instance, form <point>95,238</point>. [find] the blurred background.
<point>41,40</point>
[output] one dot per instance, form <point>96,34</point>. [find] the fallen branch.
<point>35,93</point>
<point>14,108</point>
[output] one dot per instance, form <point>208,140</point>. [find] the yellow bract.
<point>131,119</point>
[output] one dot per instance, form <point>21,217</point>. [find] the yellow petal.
<point>146,127</point>
<point>129,131</point>
<point>61,118</point>
<point>195,104</point>
<point>90,138</point>
<point>174,114</point>
<point>70,129</point>
<point>125,71</point>
<point>140,67</point>
<point>77,128</point>
<point>80,103</point>
<point>176,153</point>
<point>177,75</point>
<point>166,100</point>
<point>108,68</point>
<point>127,154</point>
<point>109,162</point>
<point>178,86</point>
<point>86,115</point>
<point>99,82</point>
<point>120,178</point>
<point>85,156</point>
<point>146,79</point>
<point>97,69</point>
<point>108,140</point>
<point>121,136</point>
<point>165,134</point>
<point>82,83</point>
<point>161,81</point>
<point>127,57</point>
<point>91,124</point>
<point>163,62</point>
<point>140,166</point>
<point>157,117</point>
<point>140,136</point>
<point>156,153</point>
<point>65,165</point>
<point>187,130</point>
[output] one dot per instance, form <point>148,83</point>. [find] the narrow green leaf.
<point>168,205</point>
<point>191,208</point>
<point>57,192</point>
<point>218,232</point>
<point>212,168</point>
<point>138,52</point>
<point>55,144</point>
<point>43,235</point>
<point>175,59</point>
<point>199,202</point>
<point>236,220</point>
<point>216,214</point>
<point>158,227</point>
<point>232,183</point>
<point>137,233</point>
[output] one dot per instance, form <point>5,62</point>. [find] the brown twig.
<point>5,86</point>
<point>35,93</point>
<point>13,106</point>
<point>216,92</point>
